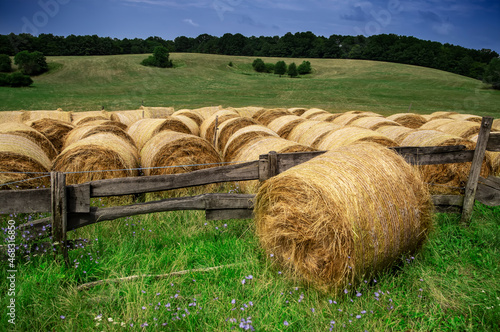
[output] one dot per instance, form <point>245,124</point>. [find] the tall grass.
<point>453,284</point>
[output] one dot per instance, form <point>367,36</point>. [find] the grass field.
<point>120,82</point>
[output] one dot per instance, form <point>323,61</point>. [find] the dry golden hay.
<point>20,154</point>
<point>466,117</point>
<point>228,128</point>
<point>207,128</point>
<point>464,129</point>
<point>254,148</point>
<point>206,112</point>
<point>13,116</point>
<point>248,111</point>
<point>243,136</point>
<point>126,117</point>
<point>20,129</point>
<point>82,117</point>
<point>88,119</point>
<point>142,130</point>
<point>297,111</point>
<point>189,122</point>
<point>156,112</point>
<point>441,114</point>
<point>496,124</point>
<point>58,114</point>
<point>348,117</point>
<point>107,123</point>
<point>436,123</point>
<point>268,115</point>
<point>325,117</point>
<point>54,130</point>
<point>344,216</point>
<point>97,157</point>
<point>351,135</point>
<point>491,158</point>
<point>373,122</point>
<point>285,124</point>
<point>397,134</point>
<point>82,132</point>
<point>170,148</point>
<point>301,129</point>
<point>193,115</point>
<point>410,120</point>
<point>313,112</point>
<point>316,132</point>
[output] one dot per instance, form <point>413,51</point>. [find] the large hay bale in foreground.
<point>97,157</point>
<point>54,130</point>
<point>242,136</point>
<point>350,135</point>
<point>344,216</point>
<point>20,129</point>
<point>410,120</point>
<point>207,128</point>
<point>142,130</point>
<point>228,128</point>
<point>21,154</point>
<point>189,122</point>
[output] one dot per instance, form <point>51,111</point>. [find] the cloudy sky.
<point>472,24</point>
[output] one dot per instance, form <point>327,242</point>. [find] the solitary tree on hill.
<point>280,68</point>
<point>159,58</point>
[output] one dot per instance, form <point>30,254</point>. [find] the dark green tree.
<point>492,73</point>
<point>5,63</point>
<point>292,70</point>
<point>4,79</point>
<point>160,58</point>
<point>17,80</point>
<point>280,68</point>
<point>259,65</point>
<point>31,63</point>
<point>304,68</point>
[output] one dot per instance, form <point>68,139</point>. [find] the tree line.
<point>383,47</point>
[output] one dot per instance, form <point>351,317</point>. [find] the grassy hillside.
<point>120,82</point>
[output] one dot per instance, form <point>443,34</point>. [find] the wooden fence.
<point>70,208</point>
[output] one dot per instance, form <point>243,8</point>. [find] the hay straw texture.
<point>254,148</point>
<point>193,115</point>
<point>142,130</point>
<point>20,154</point>
<point>440,115</point>
<point>20,129</point>
<point>329,117</point>
<point>466,117</point>
<point>228,128</point>
<point>54,130</point>
<point>491,158</point>
<point>79,118</point>
<point>314,112</point>
<point>242,136</point>
<point>297,111</point>
<point>373,122</point>
<point>301,129</point>
<point>496,124</point>
<point>344,216</point>
<point>126,117</point>
<point>397,134</point>
<point>86,131</point>
<point>156,112</point>
<point>206,112</point>
<point>207,128</point>
<point>316,132</point>
<point>285,124</point>
<point>189,122</point>
<point>436,123</point>
<point>464,129</point>
<point>169,148</point>
<point>247,112</point>
<point>13,116</point>
<point>58,114</point>
<point>348,117</point>
<point>350,135</point>
<point>107,123</point>
<point>410,120</point>
<point>266,116</point>
<point>100,152</point>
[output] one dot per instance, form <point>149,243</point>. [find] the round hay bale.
<point>348,117</point>
<point>297,111</point>
<point>344,216</point>
<point>410,120</point>
<point>54,130</point>
<point>248,112</point>
<point>99,156</point>
<point>496,125</point>
<point>228,128</point>
<point>266,116</point>
<point>13,116</point>
<point>441,115</point>
<point>106,123</point>
<point>82,132</point>
<point>195,116</point>
<point>190,123</point>
<point>436,123</point>
<point>58,114</point>
<point>20,129</point>
<point>301,129</point>
<point>351,135</point>
<point>285,124</point>
<point>243,136</point>
<point>79,118</point>
<point>316,132</point>
<point>206,112</point>
<point>466,117</point>
<point>21,154</point>
<point>313,112</point>
<point>325,117</point>
<point>142,130</point>
<point>492,159</point>
<point>156,112</point>
<point>464,129</point>
<point>207,128</point>
<point>126,117</point>
<point>373,122</point>
<point>397,134</point>
<point>262,145</point>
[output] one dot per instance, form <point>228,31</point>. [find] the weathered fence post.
<point>59,212</point>
<point>273,164</point>
<point>475,170</point>
<point>215,130</point>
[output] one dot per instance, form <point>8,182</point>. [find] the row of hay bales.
<point>127,140</point>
